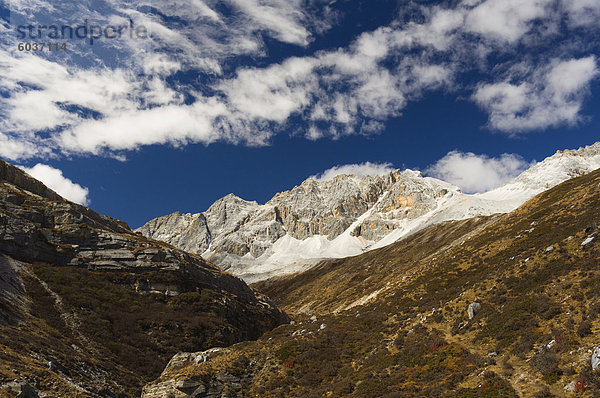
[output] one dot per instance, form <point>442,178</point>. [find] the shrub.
<point>544,393</point>
<point>584,328</point>
<point>546,362</point>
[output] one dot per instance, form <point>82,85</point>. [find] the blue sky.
<point>252,97</point>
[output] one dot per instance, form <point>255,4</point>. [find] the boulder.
<point>21,388</point>
<point>596,358</point>
<point>473,309</point>
<point>570,387</point>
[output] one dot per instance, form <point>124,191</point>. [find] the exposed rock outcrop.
<point>596,358</point>
<point>20,389</point>
<point>221,384</point>
<point>188,232</point>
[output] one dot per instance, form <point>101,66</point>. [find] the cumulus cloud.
<point>357,169</point>
<point>550,96</point>
<point>477,173</point>
<point>54,179</point>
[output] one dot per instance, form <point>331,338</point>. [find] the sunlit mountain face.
<point>103,92</point>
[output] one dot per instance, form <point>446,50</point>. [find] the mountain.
<point>89,308</point>
<point>346,216</point>
<point>505,305</point>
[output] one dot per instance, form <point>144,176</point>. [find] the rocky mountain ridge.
<point>346,215</point>
<point>89,308</point>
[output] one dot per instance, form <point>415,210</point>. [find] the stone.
<point>596,358</point>
<point>590,228</point>
<point>473,309</point>
<point>570,387</point>
<point>21,388</point>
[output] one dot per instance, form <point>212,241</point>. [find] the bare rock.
<point>596,358</point>
<point>473,309</point>
<point>20,388</point>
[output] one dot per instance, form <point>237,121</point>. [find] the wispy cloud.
<point>506,20</point>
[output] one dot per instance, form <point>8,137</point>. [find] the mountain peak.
<point>349,214</point>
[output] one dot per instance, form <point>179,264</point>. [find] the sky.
<point>162,106</point>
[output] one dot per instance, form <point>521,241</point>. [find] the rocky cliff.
<point>90,308</point>
<point>346,215</point>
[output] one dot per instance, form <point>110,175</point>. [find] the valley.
<point>483,303</point>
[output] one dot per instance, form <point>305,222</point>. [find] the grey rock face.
<point>187,232</point>
<point>473,309</point>
<point>410,197</point>
<point>217,385</point>
<point>220,386</point>
<point>12,292</point>
<point>596,358</point>
<point>17,177</point>
<point>20,388</point>
<point>238,227</point>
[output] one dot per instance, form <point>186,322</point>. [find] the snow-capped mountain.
<point>346,216</point>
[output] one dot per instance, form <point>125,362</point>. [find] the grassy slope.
<point>413,337</point>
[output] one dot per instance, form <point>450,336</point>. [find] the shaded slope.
<point>89,308</point>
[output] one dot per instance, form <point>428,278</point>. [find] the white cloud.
<point>175,125</point>
<point>506,20</point>
<point>359,170</point>
<point>54,179</point>
<point>335,92</point>
<point>272,93</point>
<point>551,96</point>
<point>583,12</point>
<point>477,173</point>
<point>282,18</point>
<point>21,147</point>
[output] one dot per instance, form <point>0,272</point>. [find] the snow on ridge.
<point>348,215</point>
<point>454,206</point>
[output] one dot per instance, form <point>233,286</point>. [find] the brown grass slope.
<point>394,322</point>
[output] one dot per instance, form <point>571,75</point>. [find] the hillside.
<point>346,216</point>
<point>89,308</point>
<point>497,306</point>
